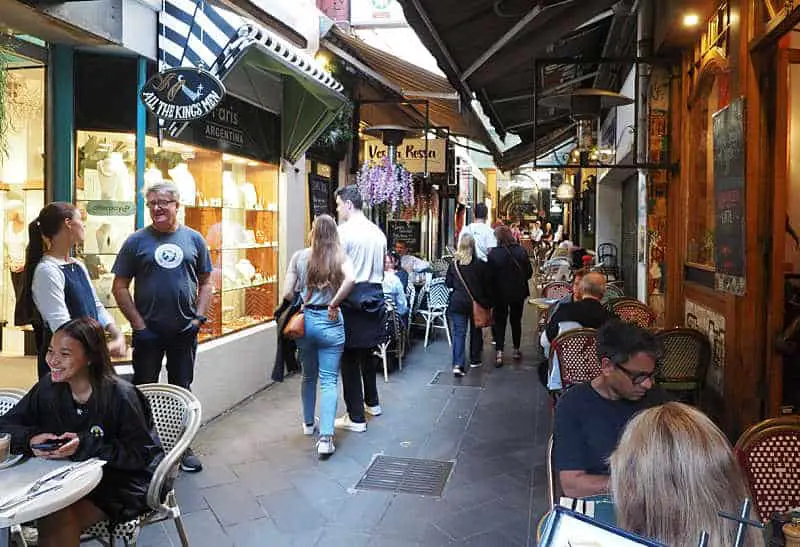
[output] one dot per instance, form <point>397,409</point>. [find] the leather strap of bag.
<point>514,260</point>
<point>464,282</point>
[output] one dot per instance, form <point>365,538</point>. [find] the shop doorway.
<point>630,230</point>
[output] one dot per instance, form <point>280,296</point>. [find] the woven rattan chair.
<point>577,356</point>
<point>177,414</point>
<point>9,397</point>
<point>687,353</point>
<point>633,311</point>
<point>556,289</point>
<point>394,342</point>
<point>438,298</point>
<point>613,292</point>
<point>769,453</point>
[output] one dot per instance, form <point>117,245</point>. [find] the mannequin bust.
<point>105,238</point>
<point>230,191</point>
<point>114,177</point>
<point>248,192</point>
<point>184,180</point>
<point>152,175</point>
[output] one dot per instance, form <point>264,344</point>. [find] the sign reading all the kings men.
<point>182,94</point>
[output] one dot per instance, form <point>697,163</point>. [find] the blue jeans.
<point>461,324</point>
<point>320,352</point>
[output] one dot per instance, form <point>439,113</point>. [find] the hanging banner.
<point>376,13</point>
<point>411,154</point>
<point>729,198</point>
<point>182,94</point>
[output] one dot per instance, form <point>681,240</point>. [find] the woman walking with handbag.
<point>510,270</point>
<point>469,307</point>
<point>324,277</point>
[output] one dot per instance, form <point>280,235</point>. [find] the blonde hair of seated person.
<point>672,471</point>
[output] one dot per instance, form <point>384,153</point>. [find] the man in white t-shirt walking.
<point>363,311</point>
<point>481,232</point>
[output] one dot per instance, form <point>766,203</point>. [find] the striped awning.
<point>193,33</point>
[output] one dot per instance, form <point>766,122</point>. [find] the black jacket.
<point>286,348</point>
<point>477,276</point>
<point>510,269</point>
<point>590,313</point>
<point>115,426</point>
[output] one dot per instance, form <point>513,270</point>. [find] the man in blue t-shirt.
<point>590,417</point>
<point>172,268</point>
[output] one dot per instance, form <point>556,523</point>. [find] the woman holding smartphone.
<point>82,410</point>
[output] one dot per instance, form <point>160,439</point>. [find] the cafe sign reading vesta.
<point>182,94</point>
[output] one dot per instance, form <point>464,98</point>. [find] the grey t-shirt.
<point>318,297</point>
<point>165,267</point>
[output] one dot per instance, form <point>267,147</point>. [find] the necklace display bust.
<point>184,180</point>
<point>114,177</point>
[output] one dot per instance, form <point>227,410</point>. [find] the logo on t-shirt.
<point>169,256</point>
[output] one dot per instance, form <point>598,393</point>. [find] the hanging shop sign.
<point>729,198</point>
<point>182,94</point>
<point>411,154</point>
<point>376,13</point>
<point>108,208</point>
<point>320,196</point>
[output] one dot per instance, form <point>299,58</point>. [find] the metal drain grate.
<point>473,378</point>
<point>406,475</point>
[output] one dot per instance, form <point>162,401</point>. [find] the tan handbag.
<point>481,317</point>
<point>296,325</point>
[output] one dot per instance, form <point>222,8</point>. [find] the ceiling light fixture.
<point>691,20</point>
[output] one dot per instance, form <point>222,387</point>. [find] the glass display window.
<point>231,200</point>
<point>21,190</point>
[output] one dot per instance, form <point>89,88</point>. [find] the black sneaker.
<point>190,463</point>
<point>458,371</point>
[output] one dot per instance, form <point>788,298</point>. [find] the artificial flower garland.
<point>386,184</point>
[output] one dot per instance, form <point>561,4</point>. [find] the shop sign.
<point>407,231</point>
<point>729,198</point>
<point>377,13</point>
<point>320,196</point>
<point>411,154</point>
<point>182,94</point>
<point>109,208</point>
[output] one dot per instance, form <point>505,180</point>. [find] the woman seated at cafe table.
<point>99,415</point>
<point>671,473</point>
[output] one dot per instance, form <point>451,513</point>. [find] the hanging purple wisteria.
<point>386,184</point>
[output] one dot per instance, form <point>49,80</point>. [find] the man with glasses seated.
<point>590,417</point>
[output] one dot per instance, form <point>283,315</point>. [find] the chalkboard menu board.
<point>409,231</point>
<point>320,196</point>
<point>729,198</point>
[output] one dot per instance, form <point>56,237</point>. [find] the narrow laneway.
<point>263,484</point>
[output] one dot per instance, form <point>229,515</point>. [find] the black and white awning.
<point>237,50</point>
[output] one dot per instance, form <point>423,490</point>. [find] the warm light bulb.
<point>691,20</point>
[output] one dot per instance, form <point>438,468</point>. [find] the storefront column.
<point>141,133</point>
<point>62,91</point>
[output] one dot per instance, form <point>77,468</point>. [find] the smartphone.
<point>50,445</point>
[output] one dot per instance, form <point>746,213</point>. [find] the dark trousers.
<point>180,350</point>
<point>358,365</point>
<point>508,311</point>
<point>462,323</point>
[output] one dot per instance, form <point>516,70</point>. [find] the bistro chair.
<point>177,414</point>
<point>438,298</point>
<point>613,292</point>
<point>439,267</point>
<point>769,454</point>
<point>552,484</point>
<point>633,311</point>
<point>9,397</point>
<point>556,289</point>
<point>394,342</point>
<point>411,298</point>
<point>687,353</point>
<point>557,269</point>
<point>577,356</point>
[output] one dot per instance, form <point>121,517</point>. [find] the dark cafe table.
<point>64,489</point>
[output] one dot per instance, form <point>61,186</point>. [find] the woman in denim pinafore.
<point>323,275</point>
<point>57,284</point>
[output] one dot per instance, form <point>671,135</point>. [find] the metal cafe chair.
<point>769,454</point>
<point>438,298</point>
<point>9,397</point>
<point>394,342</point>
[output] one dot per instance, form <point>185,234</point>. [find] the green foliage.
<point>339,131</point>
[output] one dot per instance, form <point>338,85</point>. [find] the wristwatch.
<point>201,318</point>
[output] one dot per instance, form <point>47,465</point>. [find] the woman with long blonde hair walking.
<point>323,275</point>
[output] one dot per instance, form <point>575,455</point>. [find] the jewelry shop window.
<point>700,210</point>
<point>230,200</point>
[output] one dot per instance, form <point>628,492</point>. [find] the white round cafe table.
<point>26,472</point>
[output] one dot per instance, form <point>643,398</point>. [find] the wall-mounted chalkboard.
<point>729,198</point>
<point>320,196</point>
<point>409,231</point>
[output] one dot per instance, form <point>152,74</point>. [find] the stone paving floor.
<point>263,484</point>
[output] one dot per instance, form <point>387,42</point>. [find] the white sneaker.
<point>325,446</point>
<point>310,429</point>
<point>344,422</point>
<point>373,410</point>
